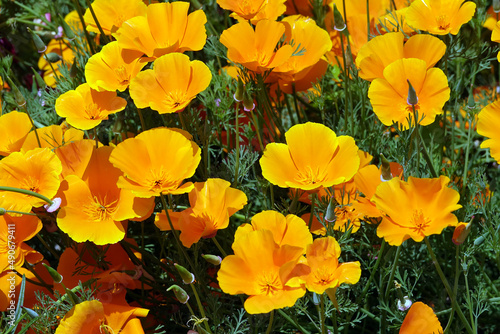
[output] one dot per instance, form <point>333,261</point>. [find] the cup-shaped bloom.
<point>51,136</point>
<point>94,207</point>
<point>111,16</point>
<point>165,28</point>
<point>290,230</point>
<point>75,156</point>
<point>245,9</point>
<point>415,209</point>
<point>113,68</point>
<point>156,162</point>
<point>85,108</point>
<point>383,50</point>
<point>440,17</point>
<point>37,170</point>
<point>326,271</point>
<point>212,203</point>
<point>271,10</point>
<point>488,125</point>
<point>14,127</point>
<point>92,316</point>
<point>172,83</point>
<point>389,95</point>
<point>313,157</point>
<point>261,269</point>
<point>420,319</point>
<point>256,50</point>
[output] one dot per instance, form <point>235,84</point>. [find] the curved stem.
<point>270,325</point>
<point>26,192</point>
<point>200,306</point>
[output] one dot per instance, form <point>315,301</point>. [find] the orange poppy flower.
<point>290,230</point>
<point>14,127</point>
<point>13,232</point>
<point>51,136</point>
<point>326,271</point>
<point>212,203</point>
<point>67,55</point>
<point>396,21</point>
<point>151,169</point>
<point>256,50</point>
<point>37,170</point>
<point>173,82</point>
<point>95,317</point>
<point>487,125</point>
<point>93,208</point>
<point>313,157</point>
<point>383,50</point>
<point>415,209</point>
<point>85,108</point>
<point>166,28</point>
<point>113,68</point>
<point>261,269</point>
<point>271,10</point>
<point>111,16</point>
<point>75,156</point>
<point>245,9</point>
<point>420,319</point>
<point>440,17</point>
<point>389,95</point>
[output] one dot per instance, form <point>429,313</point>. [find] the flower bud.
<point>68,32</point>
<point>18,96</point>
<point>238,96</point>
<point>330,210</point>
<point>32,314</point>
<point>385,169</point>
<point>461,232</point>
<point>248,104</point>
<point>53,273</point>
<point>338,19</point>
<point>74,69</point>
<point>496,6</point>
<point>40,45</point>
<point>212,259</point>
<point>2,211</point>
<point>39,80</point>
<point>479,240</point>
<point>186,276</point>
<point>471,104</point>
<point>52,57</point>
<point>412,99</point>
<point>180,294</point>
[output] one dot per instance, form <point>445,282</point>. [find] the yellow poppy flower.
<point>313,157</point>
<point>212,203</point>
<point>440,17</point>
<point>165,28</point>
<point>420,319</point>
<point>256,49</point>
<point>93,208</point>
<point>37,170</point>
<point>85,108</point>
<point>111,15</point>
<point>243,8</point>
<point>383,50</point>
<point>156,162</point>
<point>261,269</point>
<point>487,125</point>
<point>51,136</point>
<point>113,68</point>
<point>415,209</point>
<point>14,128</point>
<point>389,95</point>
<point>271,10</point>
<point>172,83</point>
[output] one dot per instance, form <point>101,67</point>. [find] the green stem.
<point>295,323</point>
<point>82,20</point>
<point>103,35</point>
<point>313,204</point>
<point>469,303</point>
<point>141,118</point>
<point>200,307</point>
<point>21,213</point>
<point>270,325</point>
<point>26,192</point>
<point>322,313</point>
<point>393,271</point>
<point>466,165</point>
<point>455,285</point>
<point>237,163</point>
<point>221,250</point>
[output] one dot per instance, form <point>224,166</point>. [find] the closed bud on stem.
<point>461,232</point>
<point>53,57</point>
<point>248,104</point>
<point>31,313</point>
<point>180,294</point>
<point>20,100</point>
<point>212,259</point>
<point>330,210</point>
<point>238,96</point>
<point>74,69</point>
<point>496,6</point>
<point>2,211</point>
<point>471,104</point>
<point>186,276</point>
<point>338,19</point>
<point>39,80</point>
<point>412,99</point>
<point>53,273</point>
<point>40,45</point>
<point>68,32</point>
<point>386,174</point>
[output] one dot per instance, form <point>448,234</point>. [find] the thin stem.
<point>200,307</point>
<point>469,303</point>
<point>466,165</point>
<point>270,325</point>
<point>237,163</point>
<point>141,118</point>
<point>39,237</point>
<point>221,250</point>
<point>103,35</point>
<point>22,213</point>
<point>313,204</point>
<point>293,322</point>
<point>82,20</point>
<point>26,192</point>
<point>322,313</point>
<point>393,271</point>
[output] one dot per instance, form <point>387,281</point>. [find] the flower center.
<point>175,98</point>
<point>323,276</point>
<point>93,111</point>
<point>309,176</point>
<point>31,183</point>
<point>160,180</point>
<point>269,283</point>
<point>419,222</point>
<point>443,22</point>
<point>122,75</point>
<point>100,210</point>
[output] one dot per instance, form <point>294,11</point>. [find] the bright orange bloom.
<point>75,156</point>
<point>290,230</point>
<point>415,209</point>
<point>461,232</point>
<point>93,208</point>
<point>271,10</point>
<point>96,317</point>
<point>247,9</point>
<point>51,136</point>
<point>440,17</point>
<point>326,271</point>
<point>256,50</point>
<point>212,203</point>
<point>166,28</point>
<point>151,169</point>
<point>112,15</point>
<point>389,95</point>
<point>261,269</point>
<point>487,125</point>
<point>14,127</point>
<point>420,319</point>
<point>67,55</point>
<point>13,232</point>
<point>313,157</point>
<point>173,82</point>
<point>85,108</point>
<point>113,68</point>
<point>37,170</point>
<point>383,50</point>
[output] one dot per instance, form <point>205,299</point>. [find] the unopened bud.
<point>68,32</point>
<point>53,273</point>
<point>180,294</point>
<point>496,6</point>
<point>74,69</point>
<point>385,169</point>
<point>40,45</point>
<point>479,241</point>
<point>412,99</point>
<point>32,314</point>
<point>2,211</point>
<point>471,104</point>
<point>461,232</point>
<point>53,57</point>
<point>338,19</point>
<point>248,104</point>
<point>238,96</point>
<point>20,100</point>
<point>330,210</point>
<point>212,259</point>
<point>39,80</point>
<point>186,276</point>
